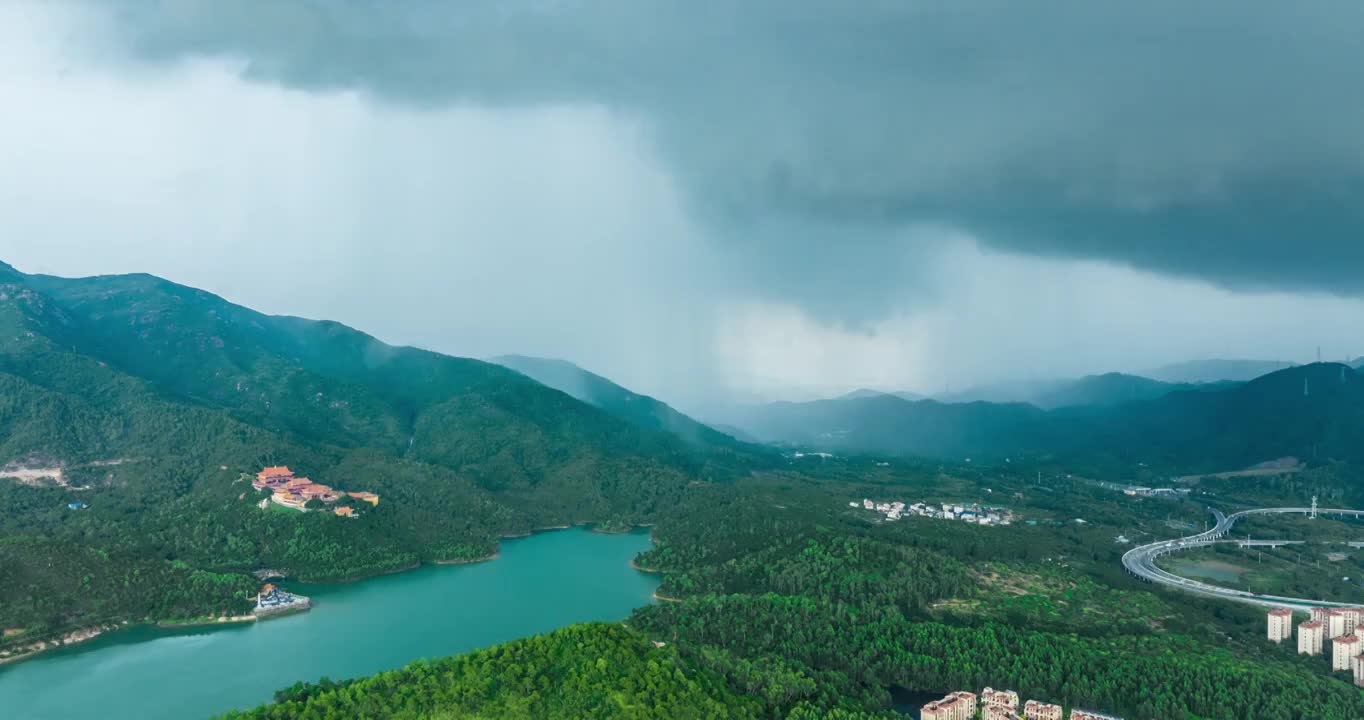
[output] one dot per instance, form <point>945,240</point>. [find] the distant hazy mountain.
<point>593,389</point>
<point>1312,412</point>
<point>890,425</point>
<point>737,433</point>
<point>866,392</point>
<point>1107,389</point>
<point>1208,371</point>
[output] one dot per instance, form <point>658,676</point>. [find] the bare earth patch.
<point>1282,466</point>
<point>41,472</point>
<point>33,476</point>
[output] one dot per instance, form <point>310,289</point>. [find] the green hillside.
<point>153,400</point>
<point>583,671</point>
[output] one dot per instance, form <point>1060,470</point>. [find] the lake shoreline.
<point>650,571</point>
<point>167,624</point>
<point>75,637</point>
<point>223,620</point>
<point>202,667</point>
<point>470,561</point>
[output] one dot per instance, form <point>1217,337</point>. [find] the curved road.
<point>1141,561</point>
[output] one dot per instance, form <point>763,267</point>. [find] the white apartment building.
<point>957,706</point>
<point>996,712</point>
<point>1006,698</point>
<point>1337,624</point>
<point>1343,651</point>
<point>1091,715</point>
<point>1037,710</point>
<point>1280,625</point>
<point>1311,637</point>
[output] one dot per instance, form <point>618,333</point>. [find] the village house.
<point>272,600</point>
<point>368,497</point>
<point>295,492</point>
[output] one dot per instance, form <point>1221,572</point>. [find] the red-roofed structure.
<point>273,477</point>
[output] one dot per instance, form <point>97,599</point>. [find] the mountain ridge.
<point>1215,370</point>
<point>599,391</point>
<point>1224,425</point>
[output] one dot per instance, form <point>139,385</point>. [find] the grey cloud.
<point>1053,133</point>
<point>1220,140</point>
<point>756,203</point>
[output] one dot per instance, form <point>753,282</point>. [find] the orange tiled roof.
<point>277,470</point>
<point>344,511</point>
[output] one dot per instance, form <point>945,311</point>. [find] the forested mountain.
<point>1106,389</point>
<point>620,402</point>
<point>148,401</point>
<point>324,382</point>
<point>1312,412</point>
<point>1212,371</point>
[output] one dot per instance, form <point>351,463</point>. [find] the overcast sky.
<point>712,200</point>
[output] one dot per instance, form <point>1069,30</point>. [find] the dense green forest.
<point>596,671</point>
<point>809,610</point>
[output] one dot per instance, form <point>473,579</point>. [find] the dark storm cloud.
<point>1218,140</point>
